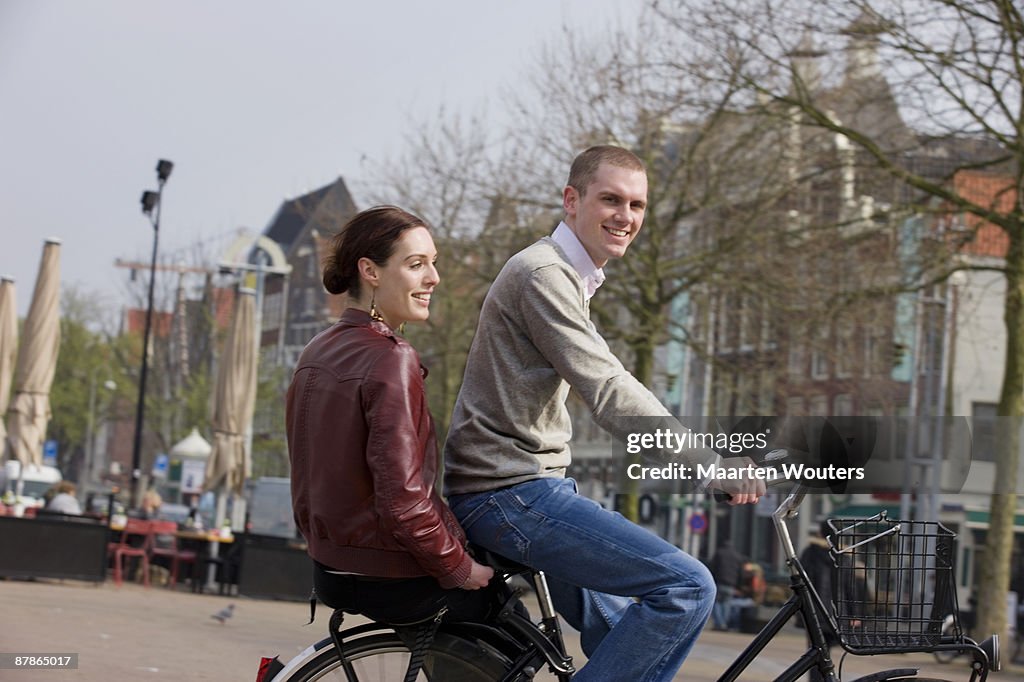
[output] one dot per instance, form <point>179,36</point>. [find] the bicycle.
<point>512,648</point>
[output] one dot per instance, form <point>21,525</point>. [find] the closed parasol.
<point>29,411</point>
<point>234,401</point>
<point>8,345</point>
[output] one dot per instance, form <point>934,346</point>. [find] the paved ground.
<point>133,633</point>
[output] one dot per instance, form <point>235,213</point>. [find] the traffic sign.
<point>699,523</point>
<point>50,453</point>
<point>160,466</point>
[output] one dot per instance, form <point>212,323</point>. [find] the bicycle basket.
<point>893,584</point>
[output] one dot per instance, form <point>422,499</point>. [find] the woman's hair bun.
<point>369,234</point>
<point>334,281</point>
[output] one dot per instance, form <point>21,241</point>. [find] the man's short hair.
<point>584,167</point>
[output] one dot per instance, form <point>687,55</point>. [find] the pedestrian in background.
<point>726,566</point>
<point>818,565</point>
<point>64,500</point>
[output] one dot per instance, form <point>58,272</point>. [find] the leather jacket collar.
<point>354,317</point>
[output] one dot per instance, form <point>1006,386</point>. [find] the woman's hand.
<point>479,576</point>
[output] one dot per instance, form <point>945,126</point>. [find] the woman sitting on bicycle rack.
<point>361,439</point>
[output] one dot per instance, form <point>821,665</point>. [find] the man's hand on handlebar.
<point>736,480</point>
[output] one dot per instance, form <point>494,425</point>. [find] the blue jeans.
<point>638,602</point>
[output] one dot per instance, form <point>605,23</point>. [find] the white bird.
<point>223,615</point>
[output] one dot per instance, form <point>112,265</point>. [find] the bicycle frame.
<point>546,637</point>
<point>804,601</point>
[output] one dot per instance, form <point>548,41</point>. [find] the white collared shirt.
<point>592,276</point>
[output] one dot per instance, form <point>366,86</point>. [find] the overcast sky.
<point>254,101</point>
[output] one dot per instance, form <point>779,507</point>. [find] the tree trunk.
<point>994,580</point>
<point>643,370</point>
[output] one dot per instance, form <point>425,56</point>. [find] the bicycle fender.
<point>884,675</point>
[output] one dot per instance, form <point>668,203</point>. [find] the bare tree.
<point>954,69</point>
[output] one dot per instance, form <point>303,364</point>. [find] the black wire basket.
<point>893,584</point>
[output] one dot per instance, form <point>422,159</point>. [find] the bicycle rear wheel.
<point>384,658</point>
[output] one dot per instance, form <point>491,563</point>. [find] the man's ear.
<point>570,200</point>
<point>368,270</point>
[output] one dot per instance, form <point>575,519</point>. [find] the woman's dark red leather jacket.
<point>364,458</point>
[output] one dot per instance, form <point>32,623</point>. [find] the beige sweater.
<point>534,340</point>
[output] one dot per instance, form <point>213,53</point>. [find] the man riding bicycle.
<point>638,601</point>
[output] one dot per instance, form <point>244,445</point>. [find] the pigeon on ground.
<point>223,615</point>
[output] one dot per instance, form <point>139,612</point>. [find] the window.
<point>819,356</point>
<point>271,311</point>
<point>869,354</point>
<point>878,351</point>
<point>795,365</point>
<point>309,301</point>
<point>844,349</point>
<point>746,315</point>
<point>726,323</point>
<point>819,364</point>
<point>767,331</point>
<point>842,405</point>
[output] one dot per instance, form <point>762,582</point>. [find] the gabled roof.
<point>314,209</point>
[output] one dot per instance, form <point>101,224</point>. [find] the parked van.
<point>36,480</point>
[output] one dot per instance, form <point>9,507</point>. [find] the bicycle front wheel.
<point>384,658</point>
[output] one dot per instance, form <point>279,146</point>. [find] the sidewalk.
<point>133,633</point>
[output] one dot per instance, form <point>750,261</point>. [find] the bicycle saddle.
<point>496,561</point>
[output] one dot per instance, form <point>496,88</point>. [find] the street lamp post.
<point>90,435</point>
<point>151,203</point>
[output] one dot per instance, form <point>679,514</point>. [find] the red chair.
<point>135,541</point>
<point>165,544</point>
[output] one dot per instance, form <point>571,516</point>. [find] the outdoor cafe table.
<point>190,535</point>
<point>204,536</point>
<point>204,541</point>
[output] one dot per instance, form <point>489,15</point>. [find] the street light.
<point>90,437</point>
<point>151,202</point>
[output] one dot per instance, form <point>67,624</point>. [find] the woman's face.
<point>408,278</point>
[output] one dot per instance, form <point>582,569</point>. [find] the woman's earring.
<point>374,313</point>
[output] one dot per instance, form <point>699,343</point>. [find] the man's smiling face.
<point>607,215</point>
